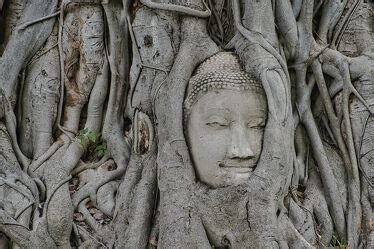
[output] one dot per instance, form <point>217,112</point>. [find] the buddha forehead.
<point>221,71</point>
<point>229,102</point>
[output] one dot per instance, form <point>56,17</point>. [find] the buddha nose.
<point>239,147</point>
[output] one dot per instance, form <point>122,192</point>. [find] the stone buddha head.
<point>225,112</point>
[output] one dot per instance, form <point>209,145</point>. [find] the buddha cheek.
<point>217,146</point>
<point>208,151</point>
<point>255,139</point>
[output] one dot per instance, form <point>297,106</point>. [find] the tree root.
<point>257,38</point>
<point>178,8</point>
<point>91,239</point>
<point>84,166</point>
<point>29,23</point>
<point>112,131</point>
<point>142,206</point>
<point>90,189</point>
<point>347,149</point>
<point>10,120</point>
<point>175,167</point>
<point>14,230</point>
<point>17,188</point>
<point>23,44</point>
<point>49,198</point>
<point>34,166</point>
<point>294,239</point>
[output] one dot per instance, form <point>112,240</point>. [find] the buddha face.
<point>225,133</point>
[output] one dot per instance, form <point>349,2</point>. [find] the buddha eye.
<point>218,124</point>
<point>217,121</point>
<point>257,125</point>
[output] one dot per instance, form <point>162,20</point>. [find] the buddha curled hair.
<point>221,71</point>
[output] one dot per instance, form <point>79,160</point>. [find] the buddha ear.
<point>275,85</point>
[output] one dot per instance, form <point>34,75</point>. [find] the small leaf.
<point>92,136</point>
<point>84,140</point>
<point>100,147</point>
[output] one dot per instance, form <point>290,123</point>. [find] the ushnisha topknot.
<point>221,71</point>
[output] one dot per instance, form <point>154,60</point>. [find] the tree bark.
<point>93,144</point>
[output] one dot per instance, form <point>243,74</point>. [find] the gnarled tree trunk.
<point>93,144</point>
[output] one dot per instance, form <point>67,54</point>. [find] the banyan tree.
<point>186,123</point>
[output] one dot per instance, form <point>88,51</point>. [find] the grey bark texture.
<point>94,151</point>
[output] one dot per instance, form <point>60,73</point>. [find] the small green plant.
<point>86,136</point>
<point>101,150</point>
<point>91,138</point>
<point>335,242</point>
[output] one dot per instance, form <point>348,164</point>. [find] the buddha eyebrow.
<point>217,109</point>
